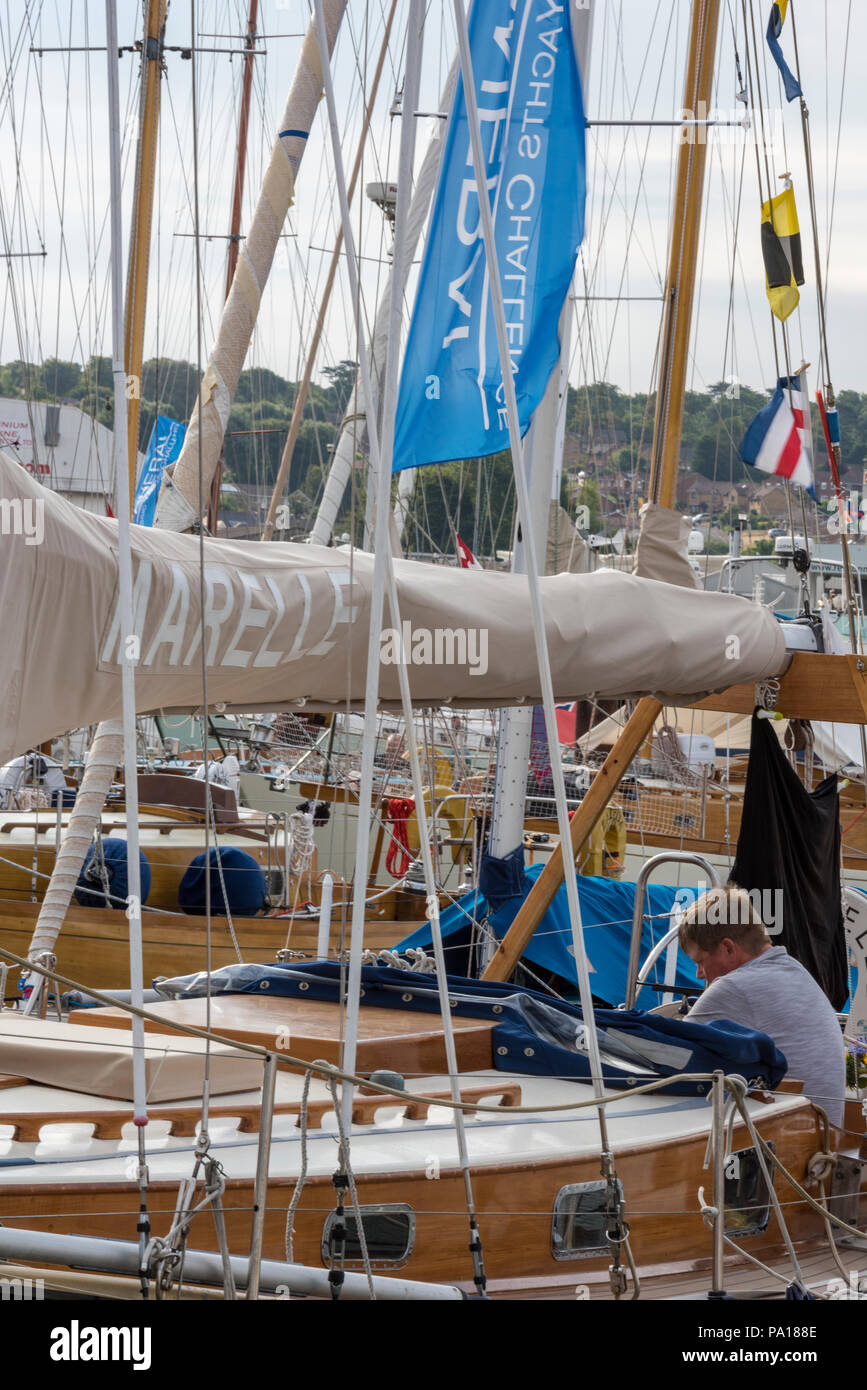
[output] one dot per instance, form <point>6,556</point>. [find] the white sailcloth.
<point>286,624</point>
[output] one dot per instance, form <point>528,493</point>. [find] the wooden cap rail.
<point>109,1124</point>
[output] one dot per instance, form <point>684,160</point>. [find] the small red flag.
<point>466,556</point>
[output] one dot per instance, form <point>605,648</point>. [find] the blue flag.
<point>166,439</point>
<point>775,28</point>
<point>452,403</point>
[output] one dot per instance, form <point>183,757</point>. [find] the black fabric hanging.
<point>790,839</point>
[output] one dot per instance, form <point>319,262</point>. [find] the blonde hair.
<point>720,913</point>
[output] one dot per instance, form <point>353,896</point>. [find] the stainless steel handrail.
<point>666,857</point>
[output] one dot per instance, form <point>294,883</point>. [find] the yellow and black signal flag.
<point>781,251</point>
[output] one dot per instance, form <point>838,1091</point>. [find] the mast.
<point>680,289</point>
<point>107,749</point>
<point>177,511</point>
<point>304,385</point>
<point>128,657</point>
<point>343,458</point>
<point>142,219</point>
<point>237,195</point>
<point>541,467</point>
<point>178,501</point>
<point>683,256</point>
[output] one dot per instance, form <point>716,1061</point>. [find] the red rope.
<point>853,823</point>
<point>399,857</point>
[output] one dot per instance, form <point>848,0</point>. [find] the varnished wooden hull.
<point>93,947</point>
<point>515,1203</point>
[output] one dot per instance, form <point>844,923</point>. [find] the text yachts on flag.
<point>466,556</point>
<point>451,403</point>
<point>781,252</point>
<point>779,440</point>
<point>775,28</point>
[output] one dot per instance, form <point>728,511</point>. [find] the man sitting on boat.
<point>753,982</point>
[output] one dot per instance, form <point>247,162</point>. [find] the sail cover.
<point>287,624</point>
<point>534,1034</point>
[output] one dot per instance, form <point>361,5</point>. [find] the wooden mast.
<point>237,196</point>
<point>600,792</point>
<point>142,218</point>
<point>683,257</point>
<point>680,288</point>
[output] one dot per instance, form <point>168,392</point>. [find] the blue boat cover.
<point>534,1035</point>
<point>89,890</point>
<point>606,914</point>
<point>243,877</point>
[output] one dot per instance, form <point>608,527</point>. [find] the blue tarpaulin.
<point>606,915</point>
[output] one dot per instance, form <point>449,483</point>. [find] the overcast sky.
<point>55,195</point>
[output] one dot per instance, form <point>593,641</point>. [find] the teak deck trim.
<point>108,1124</point>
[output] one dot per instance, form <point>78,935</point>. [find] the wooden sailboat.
<point>529,1168</point>
<point>535,1173</point>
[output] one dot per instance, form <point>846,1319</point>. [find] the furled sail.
<point>284,624</point>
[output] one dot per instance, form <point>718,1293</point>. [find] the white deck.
<point>69,1154</point>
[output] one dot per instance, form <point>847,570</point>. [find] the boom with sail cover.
<point>284,624</point>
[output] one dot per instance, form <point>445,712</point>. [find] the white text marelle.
<point>251,618</point>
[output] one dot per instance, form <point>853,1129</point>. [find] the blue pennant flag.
<point>775,28</point>
<point>451,403</point>
<point>166,439</point>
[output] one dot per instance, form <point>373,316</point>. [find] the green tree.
<point>60,378</point>
<point>342,381</point>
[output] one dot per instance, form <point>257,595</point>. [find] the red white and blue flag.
<point>779,440</point>
<point>466,556</point>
